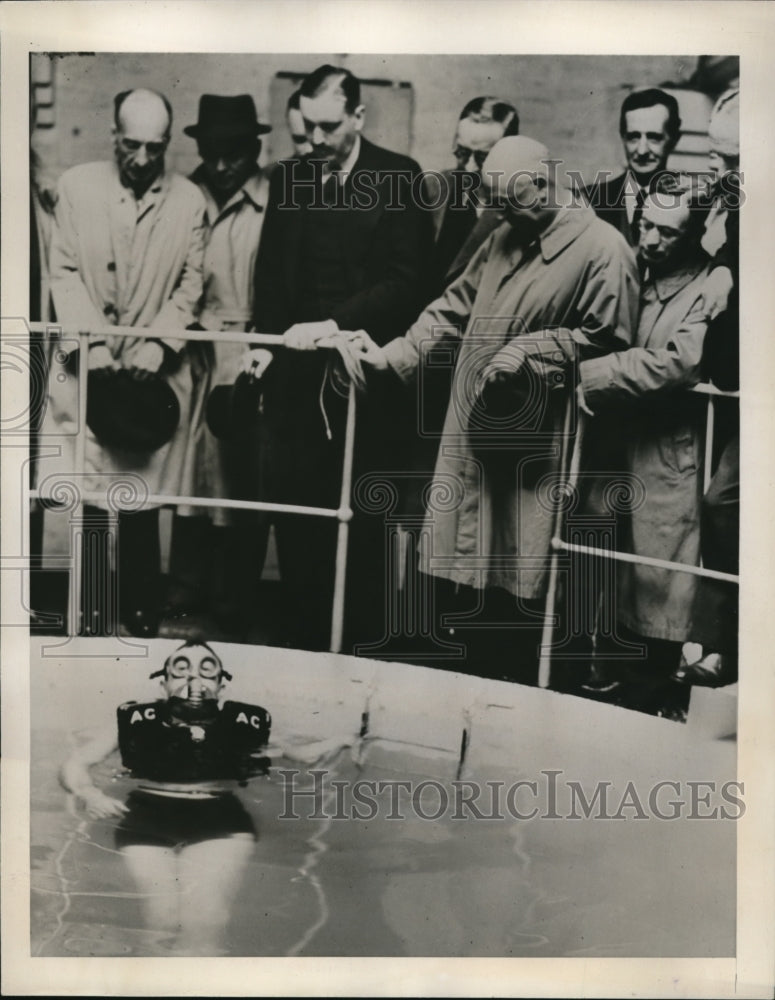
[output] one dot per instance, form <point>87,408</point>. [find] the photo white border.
<point>444,26</point>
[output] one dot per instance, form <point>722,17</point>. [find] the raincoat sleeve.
<point>640,370</point>
<point>72,301</point>
<point>447,316</point>
<point>607,311</point>
<point>182,307</point>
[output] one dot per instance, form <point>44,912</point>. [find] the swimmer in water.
<point>183,833</point>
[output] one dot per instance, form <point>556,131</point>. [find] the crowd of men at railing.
<point>468,306</point>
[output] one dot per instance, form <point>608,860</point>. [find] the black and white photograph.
<point>375,458</point>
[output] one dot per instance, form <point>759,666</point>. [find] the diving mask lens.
<point>209,668</point>
<point>179,667</point>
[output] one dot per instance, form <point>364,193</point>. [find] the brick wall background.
<point>570,103</point>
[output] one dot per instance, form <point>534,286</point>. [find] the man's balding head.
<point>148,104</point>
<point>518,172</point>
<point>517,154</point>
<point>142,123</point>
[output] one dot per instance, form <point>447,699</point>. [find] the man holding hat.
<point>235,191</point>
<point>551,286</point>
<point>126,251</point>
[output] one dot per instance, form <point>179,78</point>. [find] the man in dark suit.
<point>650,127</point>
<point>461,222</point>
<point>344,247</point>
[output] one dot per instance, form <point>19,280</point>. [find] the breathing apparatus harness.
<point>191,739</point>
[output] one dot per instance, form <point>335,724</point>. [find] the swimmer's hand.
<point>99,805</point>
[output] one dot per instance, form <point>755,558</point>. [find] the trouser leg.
<point>500,634</point>
<point>189,563</point>
<point>371,582</point>
<point>306,549</point>
<point>139,570</point>
<point>715,610</point>
<point>238,555</point>
<point>644,675</point>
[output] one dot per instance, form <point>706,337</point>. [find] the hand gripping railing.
<point>568,484</point>
<point>343,513</point>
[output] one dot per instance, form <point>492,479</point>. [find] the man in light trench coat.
<point>643,393</point>
<point>551,286</point>
<point>127,250</point>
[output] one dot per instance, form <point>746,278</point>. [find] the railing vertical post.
<point>344,516</point>
<point>75,610</point>
<point>545,661</point>
<point>710,429</point>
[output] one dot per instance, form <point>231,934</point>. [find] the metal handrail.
<point>343,513</point>
<point>559,545</point>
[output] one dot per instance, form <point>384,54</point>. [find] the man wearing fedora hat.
<point>127,251</point>
<point>235,191</point>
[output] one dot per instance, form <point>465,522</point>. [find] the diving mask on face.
<point>185,661</point>
<point>193,675</point>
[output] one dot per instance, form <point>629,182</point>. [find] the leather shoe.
<point>600,682</point>
<point>713,670</point>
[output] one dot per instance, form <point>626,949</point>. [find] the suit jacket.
<point>387,240</point>
<point>607,199</point>
<point>721,353</point>
<point>454,248</point>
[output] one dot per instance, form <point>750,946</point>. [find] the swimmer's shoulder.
<point>133,712</point>
<point>245,714</point>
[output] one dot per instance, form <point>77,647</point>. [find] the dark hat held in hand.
<point>233,409</point>
<point>138,415</point>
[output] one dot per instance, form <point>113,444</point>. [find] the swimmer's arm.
<point>76,778</point>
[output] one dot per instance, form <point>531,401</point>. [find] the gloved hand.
<point>365,349</point>
<point>145,360</point>
<point>304,336</point>
<point>101,361</point>
<point>255,362</point>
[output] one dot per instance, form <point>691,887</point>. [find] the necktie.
<point>330,189</point>
<point>636,217</point>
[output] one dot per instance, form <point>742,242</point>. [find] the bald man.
<point>127,251</point>
<point>551,286</point>
<point>461,223</point>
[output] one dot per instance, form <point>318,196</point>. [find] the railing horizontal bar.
<point>708,389</point>
<point>144,332</point>
<point>591,550</point>
<point>231,336</point>
<point>167,499</point>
